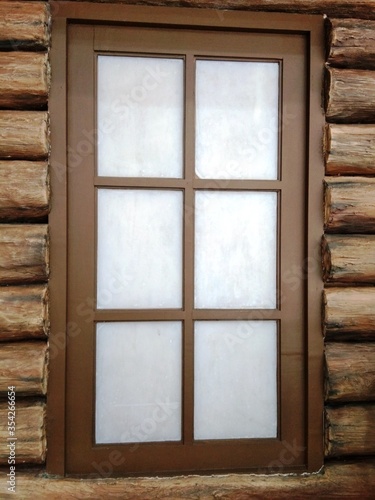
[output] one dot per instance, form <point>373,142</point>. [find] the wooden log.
<point>30,432</point>
<point>340,8</point>
<point>23,253</point>
<point>349,205</point>
<point>349,313</point>
<point>350,430</point>
<point>24,190</point>
<point>351,43</point>
<point>340,480</point>
<point>24,366</point>
<point>349,149</point>
<point>348,259</point>
<point>24,80</point>
<point>23,312</point>
<point>350,95</point>
<point>24,25</point>
<point>350,372</point>
<point>24,135</point>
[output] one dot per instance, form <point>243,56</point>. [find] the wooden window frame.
<point>311,29</point>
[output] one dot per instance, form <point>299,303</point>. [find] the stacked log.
<point>24,206</point>
<point>349,242</point>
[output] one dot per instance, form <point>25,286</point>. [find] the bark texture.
<point>349,314</point>
<point>350,149</point>
<point>24,190</point>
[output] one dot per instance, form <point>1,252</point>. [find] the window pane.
<point>235,379</point>
<point>237,119</point>
<point>139,249</point>
<point>138,382</point>
<point>235,250</point>
<point>140,116</point>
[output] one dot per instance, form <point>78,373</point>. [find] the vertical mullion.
<point>188,361</point>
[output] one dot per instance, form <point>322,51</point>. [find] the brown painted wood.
<point>340,8</point>
<point>350,372</point>
<point>350,95</point>
<point>349,205</point>
<point>24,135</point>
<point>24,25</point>
<point>350,430</point>
<point>349,149</point>
<point>23,253</point>
<point>30,432</point>
<point>24,190</point>
<point>24,80</point>
<point>24,365</point>
<point>349,313</point>
<point>23,312</point>
<point>351,43</point>
<point>348,259</point>
<point>340,480</point>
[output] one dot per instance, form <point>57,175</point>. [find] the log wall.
<point>348,249</point>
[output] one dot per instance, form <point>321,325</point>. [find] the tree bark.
<point>23,253</point>
<point>23,312</point>
<point>349,259</point>
<point>350,430</point>
<point>24,80</point>
<point>349,314</point>
<point>350,372</point>
<point>24,25</point>
<point>24,365</point>
<point>350,95</point>
<point>24,190</point>
<point>350,149</point>
<point>24,135</point>
<point>30,433</point>
<point>349,205</point>
<point>351,43</point>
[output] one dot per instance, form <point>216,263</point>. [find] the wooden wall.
<point>348,250</point>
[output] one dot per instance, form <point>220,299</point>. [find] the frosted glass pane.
<point>140,116</point>
<point>235,250</point>
<point>235,379</point>
<point>139,262</point>
<point>138,382</point>
<point>237,119</point>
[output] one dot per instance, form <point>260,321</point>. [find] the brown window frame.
<point>70,439</point>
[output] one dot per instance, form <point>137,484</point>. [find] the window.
<point>184,242</point>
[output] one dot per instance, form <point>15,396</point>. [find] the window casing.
<point>293,44</point>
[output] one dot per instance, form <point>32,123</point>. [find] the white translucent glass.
<point>139,261</point>
<point>235,379</point>
<point>138,382</point>
<point>235,250</point>
<point>140,116</point>
<point>237,119</point>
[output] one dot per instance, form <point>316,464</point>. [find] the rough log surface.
<point>341,480</point>
<point>24,80</point>
<point>350,372</point>
<point>348,259</point>
<point>24,135</point>
<point>350,95</point>
<point>23,253</point>
<point>349,205</point>
<point>350,430</point>
<point>23,312</point>
<point>339,8</point>
<point>349,314</point>
<point>351,43</point>
<point>24,365</point>
<point>24,190</point>
<point>30,432</point>
<point>350,149</point>
<point>24,25</point>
